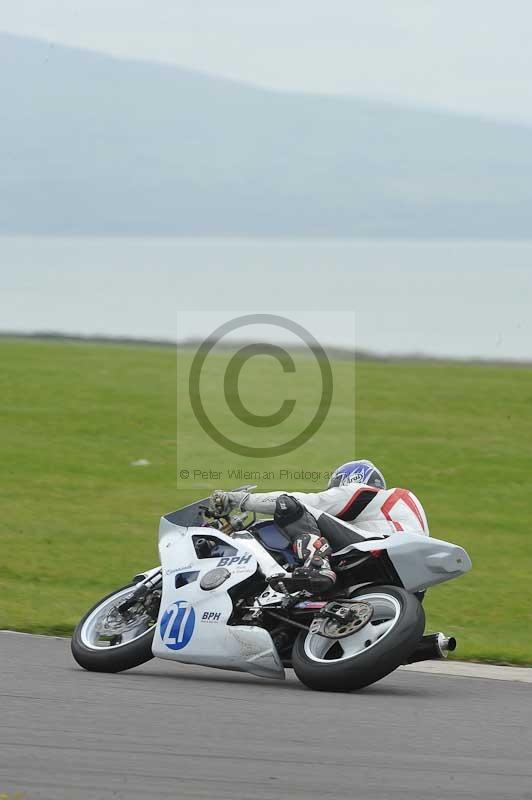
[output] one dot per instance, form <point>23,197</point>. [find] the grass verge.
<point>77,518</point>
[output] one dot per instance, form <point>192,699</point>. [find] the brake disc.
<point>115,623</point>
<point>340,619</point>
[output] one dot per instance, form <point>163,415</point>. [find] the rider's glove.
<point>221,503</point>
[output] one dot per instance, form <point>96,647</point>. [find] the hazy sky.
<point>466,55</point>
<point>445,298</point>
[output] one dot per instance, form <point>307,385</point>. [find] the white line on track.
<point>35,636</point>
<point>459,669</point>
<point>470,669</point>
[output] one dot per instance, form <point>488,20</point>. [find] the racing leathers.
<point>320,523</point>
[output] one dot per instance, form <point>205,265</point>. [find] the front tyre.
<point>364,657</point>
<point>106,641</point>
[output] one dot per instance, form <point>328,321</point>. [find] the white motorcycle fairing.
<point>420,561</point>
<point>192,624</point>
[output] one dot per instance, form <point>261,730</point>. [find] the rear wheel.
<point>107,641</point>
<point>372,652</point>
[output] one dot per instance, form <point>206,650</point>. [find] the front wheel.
<point>369,654</point>
<point>107,641</point>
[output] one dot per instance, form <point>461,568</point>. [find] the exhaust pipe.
<point>433,646</point>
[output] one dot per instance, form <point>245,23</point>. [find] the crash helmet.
<point>361,471</point>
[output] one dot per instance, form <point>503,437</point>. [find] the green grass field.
<point>77,519</point>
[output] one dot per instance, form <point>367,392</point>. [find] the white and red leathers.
<point>367,510</point>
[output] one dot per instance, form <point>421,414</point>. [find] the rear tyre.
<point>385,642</point>
<point>113,647</point>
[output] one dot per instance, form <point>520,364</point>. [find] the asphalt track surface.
<point>170,731</point>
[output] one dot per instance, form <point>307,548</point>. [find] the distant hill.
<point>90,144</point>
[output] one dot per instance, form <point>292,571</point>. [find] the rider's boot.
<point>310,547</point>
<point>315,575</point>
<point>314,581</point>
<point>314,551</point>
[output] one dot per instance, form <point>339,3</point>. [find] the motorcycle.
<point>218,600</point>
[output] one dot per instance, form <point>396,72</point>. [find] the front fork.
<point>142,593</point>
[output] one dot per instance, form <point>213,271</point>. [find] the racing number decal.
<point>177,625</point>
<point>408,500</point>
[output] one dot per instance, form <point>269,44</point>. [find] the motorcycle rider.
<point>356,505</point>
